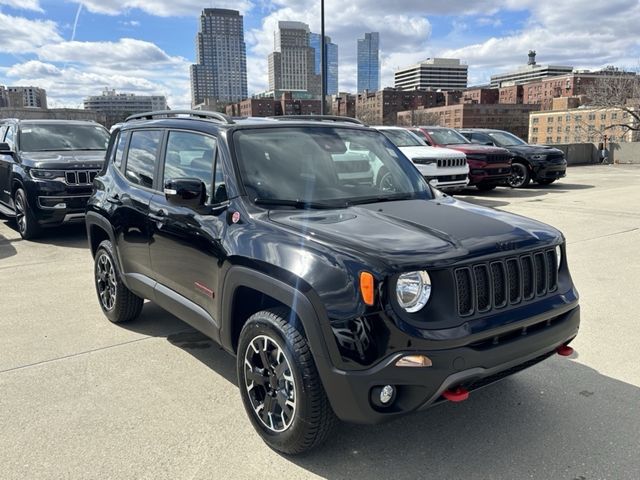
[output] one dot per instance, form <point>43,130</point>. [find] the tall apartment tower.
<point>220,71</point>
<point>369,62</point>
<point>292,64</point>
<point>332,61</point>
<point>433,74</point>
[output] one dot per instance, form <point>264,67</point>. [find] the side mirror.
<point>185,192</point>
<point>5,148</point>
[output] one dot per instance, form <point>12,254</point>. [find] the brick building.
<point>343,104</point>
<point>513,94</point>
<point>382,107</point>
<point>510,117</point>
<point>269,107</point>
<point>481,95</point>
<point>564,124</point>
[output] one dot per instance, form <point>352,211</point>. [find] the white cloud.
<point>20,35</point>
<point>125,53</point>
<point>23,4</point>
<point>162,8</point>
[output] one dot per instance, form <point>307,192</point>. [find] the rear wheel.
<point>280,385</point>
<point>546,181</point>
<point>118,303</point>
<point>28,227</point>
<point>520,176</point>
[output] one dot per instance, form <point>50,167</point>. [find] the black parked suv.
<point>539,163</point>
<point>46,170</point>
<point>340,297</point>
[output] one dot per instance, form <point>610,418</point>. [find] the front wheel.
<point>279,384</point>
<point>520,176</point>
<point>28,227</point>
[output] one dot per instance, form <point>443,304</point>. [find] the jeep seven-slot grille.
<point>483,287</point>
<point>451,162</point>
<point>80,177</point>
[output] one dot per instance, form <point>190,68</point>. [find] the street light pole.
<point>323,62</point>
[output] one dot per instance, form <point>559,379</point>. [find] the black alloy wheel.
<point>118,303</point>
<point>520,176</point>
<point>28,228</point>
<point>269,383</point>
<point>106,282</point>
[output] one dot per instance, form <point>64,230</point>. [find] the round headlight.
<point>413,290</point>
<point>558,256</point>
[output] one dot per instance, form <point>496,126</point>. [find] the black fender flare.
<point>314,320</point>
<point>95,219</point>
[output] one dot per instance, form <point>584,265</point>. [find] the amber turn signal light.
<point>366,288</point>
<point>414,361</point>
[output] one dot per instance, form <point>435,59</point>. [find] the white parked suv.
<point>445,168</point>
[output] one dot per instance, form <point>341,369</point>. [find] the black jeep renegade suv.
<point>46,170</point>
<point>340,297</point>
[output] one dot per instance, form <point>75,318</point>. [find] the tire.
<point>118,303</point>
<point>520,175</point>
<point>385,180</point>
<point>546,181</point>
<point>486,187</point>
<point>291,375</point>
<point>26,223</point>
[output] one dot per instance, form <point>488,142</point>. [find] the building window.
<point>550,120</point>
<point>534,120</point>
<point>534,139</point>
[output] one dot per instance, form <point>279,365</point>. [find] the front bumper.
<point>471,366</point>
<point>449,182</point>
<point>489,174</point>
<point>54,203</point>
<point>550,171</point>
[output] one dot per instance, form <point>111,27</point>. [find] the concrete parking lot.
<point>81,398</point>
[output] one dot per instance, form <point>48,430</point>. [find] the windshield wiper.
<point>301,204</point>
<point>381,198</point>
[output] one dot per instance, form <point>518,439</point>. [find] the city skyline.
<point>146,47</point>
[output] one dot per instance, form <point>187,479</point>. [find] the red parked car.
<point>488,166</point>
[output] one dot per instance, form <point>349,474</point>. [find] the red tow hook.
<point>457,394</point>
<point>564,350</point>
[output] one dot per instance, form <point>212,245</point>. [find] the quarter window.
<point>119,150</point>
<point>141,159</point>
<point>191,155</point>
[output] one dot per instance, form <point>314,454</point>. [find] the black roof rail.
<point>220,117</point>
<point>319,118</point>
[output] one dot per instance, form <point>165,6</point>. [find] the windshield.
<point>505,139</point>
<point>54,137</point>
<point>403,138</point>
<point>324,167</point>
<point>447,136</point>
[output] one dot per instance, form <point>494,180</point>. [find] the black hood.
<point>410,232</point>
<point>78,159</point>
<point>526,150</point>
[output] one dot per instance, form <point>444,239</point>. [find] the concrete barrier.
<point>627,152</point>
<point>579,153</point>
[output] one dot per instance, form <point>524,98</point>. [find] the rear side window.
<point>142,156</point>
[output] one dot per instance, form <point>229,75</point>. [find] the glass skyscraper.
<point>369,62</point>
<point>221,69</point>
<point>332,61</point>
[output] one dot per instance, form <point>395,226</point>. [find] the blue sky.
<point>146,46</point>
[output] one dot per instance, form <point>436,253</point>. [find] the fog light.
<point>386,394</point>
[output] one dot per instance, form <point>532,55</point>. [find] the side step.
<point>6,211</point>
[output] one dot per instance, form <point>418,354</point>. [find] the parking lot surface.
<point>81,398</point>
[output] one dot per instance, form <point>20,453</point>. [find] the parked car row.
<point>313,250</point>
<point>486,158</point>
